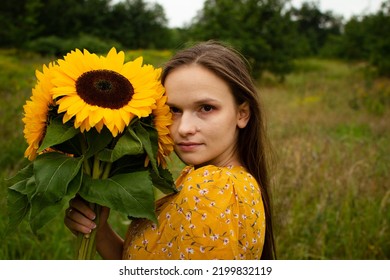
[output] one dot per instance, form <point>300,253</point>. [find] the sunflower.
<point>162,120</point>
<point>36,111</point>
<point>96,91</point>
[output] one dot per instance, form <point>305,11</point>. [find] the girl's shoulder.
<point>212,174</point>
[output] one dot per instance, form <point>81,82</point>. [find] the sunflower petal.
<point>36,110</point>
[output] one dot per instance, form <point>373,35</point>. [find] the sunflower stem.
<point>87,243</point>
<point>106,171</point>
<point>87,247</point>
<point>86,167</point>
<point>86,163</point>
<point>96,168</point>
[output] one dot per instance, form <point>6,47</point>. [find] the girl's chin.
<point>190,160</point>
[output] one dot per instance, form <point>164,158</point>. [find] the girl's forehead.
<point>192,75</point>
<point>195,83</point>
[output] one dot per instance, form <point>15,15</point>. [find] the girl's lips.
<point>188,146</point>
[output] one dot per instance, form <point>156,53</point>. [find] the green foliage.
<point>378,40</point>
<point>53,241</point>
<point>19,21</point>
<point>43,190</point>
<point>354,45</point>
<point>131,23</point>
<point>270,33</point>
<point>368,39</point>
<point>56,180</point>
<point>53,46</point>
<point>56,46</point>
<point>129,192</point>
<point>136,24</point>
<point>314,28</point>
<point>258,28</point>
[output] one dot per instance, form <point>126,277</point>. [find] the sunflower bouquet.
<point>96,126</point>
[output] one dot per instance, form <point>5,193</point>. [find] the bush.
<point>56,46</point>
<point>50,46</point>
<point>93,44</point>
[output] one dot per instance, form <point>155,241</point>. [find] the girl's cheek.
<point>173,128</point>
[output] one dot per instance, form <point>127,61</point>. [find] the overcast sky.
<point>180,12</point>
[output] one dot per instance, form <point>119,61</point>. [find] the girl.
<point>222,210</point>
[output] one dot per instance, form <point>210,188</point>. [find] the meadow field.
<point>330,133</point>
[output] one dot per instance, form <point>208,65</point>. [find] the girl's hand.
<point>79,217</point>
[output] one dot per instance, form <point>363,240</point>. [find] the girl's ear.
<point>243,115</point>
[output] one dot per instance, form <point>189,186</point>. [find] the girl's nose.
<point>187,124</point>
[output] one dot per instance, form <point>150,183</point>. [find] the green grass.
<point>331,179</point>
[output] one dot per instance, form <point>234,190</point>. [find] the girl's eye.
<point>207,108</point>
<point>174,110</point>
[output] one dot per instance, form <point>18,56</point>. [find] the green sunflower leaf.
<point>18,208</point>
<point>74,185</point>
<point>128,144</point>
<point>149,137</point>
<point>28,189</point>
<point>163,181</point>
<point>43,209</point>
<point>128,193</point>
<point>18,205</point>
<point>128,164</point>
<point>72,146</point>
<point>22,174</point>
<point>97,141</point>
<point>57,133</point>
<point>54,173</point>
<point>18,196</point>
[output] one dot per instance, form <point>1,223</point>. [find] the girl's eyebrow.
<point>206,100</point>
<point>197,102</point>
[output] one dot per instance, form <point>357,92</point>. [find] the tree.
<point>260,29</point>
<point>368,38</point>
<point>354,46</point>
<point>19,21</point>
<point>136,24</point>
<point>378,39</point>
<point>314,27</point>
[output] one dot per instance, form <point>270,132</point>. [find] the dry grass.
<point>331,181</point>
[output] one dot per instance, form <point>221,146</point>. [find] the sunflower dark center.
<point>104,88</point>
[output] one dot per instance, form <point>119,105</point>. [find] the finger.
<point>76,221</point>
<point>75,227</point>
<point>82,206</point>
<point>81,219</point>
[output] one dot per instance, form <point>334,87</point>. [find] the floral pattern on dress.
<point>217,214</point>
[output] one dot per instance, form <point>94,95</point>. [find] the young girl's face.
<point>206,118</point>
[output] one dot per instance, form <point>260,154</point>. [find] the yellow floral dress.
<point>217,214</point>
